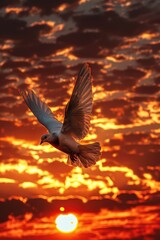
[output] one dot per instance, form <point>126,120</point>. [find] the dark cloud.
<point>49,70</point>
<point>7,99</point>
<point>137,9</point>
<point>31,132</point>
<point>48,7</point>
<point>40,207</point>
<point>147,62</point>
<point>15,64</point>
<point>152,47</point>
<point>120,109</point>
<point>12,207</point>
<point>8,151</point>
<point>134,152</point>
<point>157,80</point>
<point>12,28</point>
<point>123,79</point>
<point>139,99</point>
<point>35,50</point>
<point>61,168</point>
<point>147,12</point>
<point>149,89</point>
<point>109,22</point>
<point>6,3</point>
<point>126,197</point>
<point>88,43</point>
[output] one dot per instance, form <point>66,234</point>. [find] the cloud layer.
<point>43,46</point>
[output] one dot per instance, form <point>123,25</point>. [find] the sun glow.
<point>66,223</point>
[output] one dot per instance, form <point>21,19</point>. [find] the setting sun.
<point>66,222</point>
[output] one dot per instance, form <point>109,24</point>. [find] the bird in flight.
<point>64,136</point>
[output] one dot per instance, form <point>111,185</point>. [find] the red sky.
<point>43,46</point>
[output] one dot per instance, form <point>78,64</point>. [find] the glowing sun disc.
<point>66,223</point>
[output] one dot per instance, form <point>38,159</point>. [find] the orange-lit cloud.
<point>43,45</point>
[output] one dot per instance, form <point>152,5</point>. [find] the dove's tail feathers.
<point>88,155</point>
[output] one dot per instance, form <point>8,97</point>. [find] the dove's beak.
<point>41,142</point>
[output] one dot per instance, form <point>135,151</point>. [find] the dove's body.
<point>64,143</point>
<point>76,121</point>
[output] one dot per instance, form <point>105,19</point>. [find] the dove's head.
<point>45,138</point>
<point>50,138</point>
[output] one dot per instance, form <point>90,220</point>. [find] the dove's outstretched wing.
<point>41,111</point>
<point>79,109</point>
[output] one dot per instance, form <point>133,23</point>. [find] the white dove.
<point>75,125</point>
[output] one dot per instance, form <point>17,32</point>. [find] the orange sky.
<point>43,46</point>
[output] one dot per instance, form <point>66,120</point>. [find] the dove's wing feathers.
<point>41,111</point>
<point>79,109</point>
